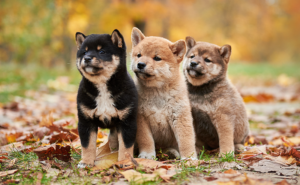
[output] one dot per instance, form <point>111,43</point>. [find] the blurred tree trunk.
<point>67,50</point>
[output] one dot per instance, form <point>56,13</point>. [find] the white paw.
<point>146,155</point>
<point>189,158</point>
<point>83,165</point>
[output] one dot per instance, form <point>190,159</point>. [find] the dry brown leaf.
<point>103,149</point>
<point>231,171</point>
<point>143,163</point>
<point>12,163</point>
<point>253,152</point>
<point>12,147</point>
<point>62,136</point>
<point>165,174</point>
<point>137,177</point>
<point>9,172</point>
<point>106,179</point>
<point>288,160</point>
<point>54,150</point>
<point>265,166</point>
<point>283,182</point>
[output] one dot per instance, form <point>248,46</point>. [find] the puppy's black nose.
<point>141,65</point>
<point>193,64</point>
<point>87,59</point>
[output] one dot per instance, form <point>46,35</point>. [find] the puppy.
<point>107,96</point>
<point>218,110</point>
<point>164,117</point>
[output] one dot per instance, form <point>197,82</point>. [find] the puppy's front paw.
<point>189,158</point>
<point>83,165</point>
<point>239,148</point>
<point>146,155</point>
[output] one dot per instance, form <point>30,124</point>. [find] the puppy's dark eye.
<point>207,60</point>
<point>84,52</point>
<point>156,58</point>
<point>102,51</point>
<point>139,55</point>
<point>192,56</point>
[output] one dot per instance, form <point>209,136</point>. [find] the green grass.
<point>16,79</point>
<point>264,70</point>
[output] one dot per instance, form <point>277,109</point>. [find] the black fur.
<point>120,86</point>
<point>205,130</point>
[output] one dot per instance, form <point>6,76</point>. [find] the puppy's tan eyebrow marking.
<point>98,47</point>
<point>86,48</point>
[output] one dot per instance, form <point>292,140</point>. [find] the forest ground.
<point>39,142</point>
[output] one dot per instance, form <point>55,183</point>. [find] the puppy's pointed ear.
<point>225,52</point>
<point>190,42</point>
<point>80,37</point>
<point>178,49</point>
<point>117,39</point>
<point>136,36</point>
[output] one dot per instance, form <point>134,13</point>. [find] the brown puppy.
<point>218,110</point>
<point>164,115</point>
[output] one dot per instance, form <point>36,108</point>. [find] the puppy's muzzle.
<point>91,66</point>
<point>195,70</point>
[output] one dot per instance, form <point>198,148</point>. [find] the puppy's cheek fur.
<point>215,69</point>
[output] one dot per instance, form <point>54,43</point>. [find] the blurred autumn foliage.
<point>43,31</point>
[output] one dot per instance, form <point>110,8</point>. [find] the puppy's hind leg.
<point>113,139</point>
<point>88,138</point>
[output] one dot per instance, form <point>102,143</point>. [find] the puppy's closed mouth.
<point>92,69</point>
<point>194,73</point>
<point>143,75</point>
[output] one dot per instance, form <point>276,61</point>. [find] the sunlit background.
<point>37,38</point>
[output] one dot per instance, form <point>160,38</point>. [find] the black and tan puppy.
<point>107,96</point>
<point>218,110</point>
<point>164,113</point>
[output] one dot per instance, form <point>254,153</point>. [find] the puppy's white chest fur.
<point>105,105</point>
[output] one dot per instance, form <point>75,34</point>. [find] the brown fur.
<point>89,154</point>
<point>164,115</point>
<point>218,110</point>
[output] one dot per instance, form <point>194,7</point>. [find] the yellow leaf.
<point>134,176</point>
<point>105,161</point>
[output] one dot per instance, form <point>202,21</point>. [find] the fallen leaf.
<point>12,163</point>
<point>105,161</point>
<point>106,179</point>
<point>9,172</point>
<point>143,163</point>
<point>62,136</point>
<point>265,166</point>
<point>208,179</point>
<point>103,149</point>
<point>254,152</point>
<point>134,176</point>
<point>231,171</point>
<point>283,182</point>
<point>12,147</point>
<point>54,150</point>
